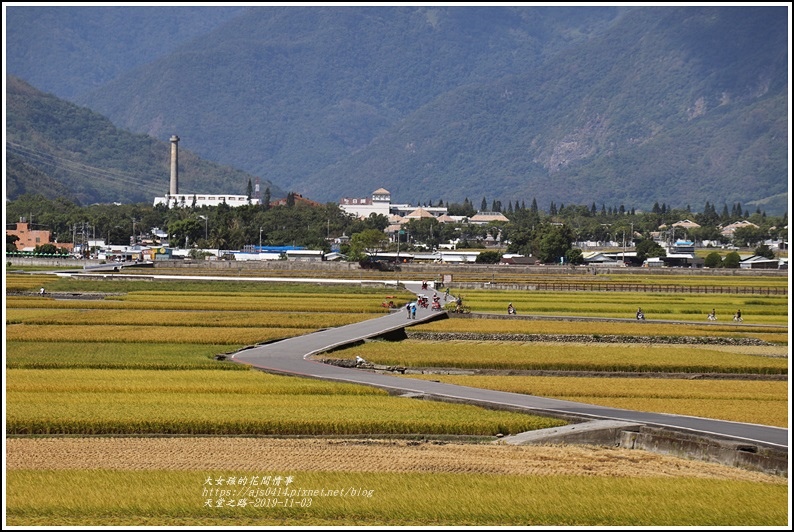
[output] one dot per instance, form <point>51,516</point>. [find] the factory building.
<point>175,199</point>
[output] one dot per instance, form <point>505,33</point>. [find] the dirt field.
<point>352,455</point>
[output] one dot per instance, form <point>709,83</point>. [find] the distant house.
<point>757,262</point>
<point>28,238</point>
<point>299,200</point>
<point>682,246</point>
<point>728,230</point>
<point>686,224</point>
<point>518,260</point>
<point>598,258</point>
<point>482,218</point>
<point>380,203</point>
<point>305,255</point>
<point>418,214</point>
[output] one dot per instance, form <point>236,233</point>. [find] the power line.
<point>80,169</point>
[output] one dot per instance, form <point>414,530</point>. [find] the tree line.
<point>547,235</point>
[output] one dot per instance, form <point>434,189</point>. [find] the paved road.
<point>292,356</point>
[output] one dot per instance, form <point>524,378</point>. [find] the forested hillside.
<point>574,105</point>
<point>670,119</point>
<point>56,148</point>
<point>67,51</point>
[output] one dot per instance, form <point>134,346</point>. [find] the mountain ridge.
<point>57,148</point>
<point>609,105</point>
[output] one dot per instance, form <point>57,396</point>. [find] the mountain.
<point>617,106</point>
<point>668,120</point>
<point>68,51</point>
<point>56,148</point>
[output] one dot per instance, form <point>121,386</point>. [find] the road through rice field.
<point>292,356</point>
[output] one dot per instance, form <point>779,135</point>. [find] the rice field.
<point>760,309</point>
<point>744,401</point>
<point>182,318</point>
<point>634,329</point>
<point>115,355</point>
<point>287,482</point>
<point>214,402</point>
<point>137,371</point>
<point>569,356</point>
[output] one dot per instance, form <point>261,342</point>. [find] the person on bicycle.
<point>510,309</point>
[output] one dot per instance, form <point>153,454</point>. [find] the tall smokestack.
<point>174,164</point>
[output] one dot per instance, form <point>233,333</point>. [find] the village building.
<point>482,218</point>
<point>728,230</point>
<point>380,203</point>
<point>30,239</point>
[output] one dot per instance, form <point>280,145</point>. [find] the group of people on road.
<point>736,317</point>
<point>511,310</point>
<point>411,308</point>
<point>711,317</point>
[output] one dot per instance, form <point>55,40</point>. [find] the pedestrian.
<point>413,310</point>
<point>408,308</point>
<point>510,309</point>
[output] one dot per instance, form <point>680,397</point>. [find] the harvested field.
<point>356,455</point>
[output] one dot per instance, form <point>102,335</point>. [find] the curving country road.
<point>292,356</point>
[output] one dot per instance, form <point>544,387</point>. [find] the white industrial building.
<point>380,203</point>
<point>175,199</point>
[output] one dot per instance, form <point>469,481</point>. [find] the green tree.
<point>11,242</point>
<point>555,243</point>
<point>521,242</point>
<point>713,260</point>
<point>731,260</point>
<point>266,199</point>
<point>188,229</point>
<point>765,251</point>
<point>488,257</point>
<point>48,249</point>
<point>748,236</point>
<point>647,248</point>
<point>574,256</point>
<point>369,242</point>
